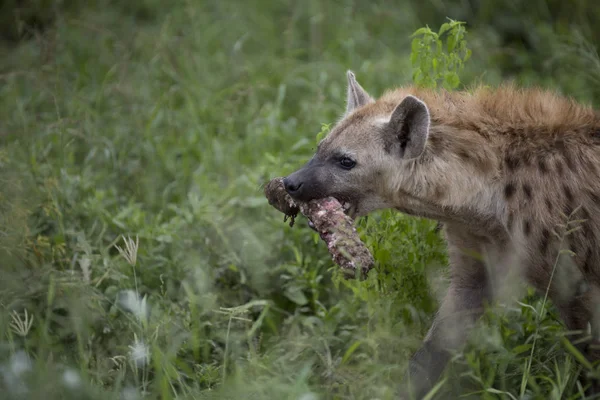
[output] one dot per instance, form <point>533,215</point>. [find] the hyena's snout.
<point>304,185</point>
<point>293,185</point>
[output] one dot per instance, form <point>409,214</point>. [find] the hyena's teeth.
<point>346,206</point>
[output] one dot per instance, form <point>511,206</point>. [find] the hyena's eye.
<point>347,163</point>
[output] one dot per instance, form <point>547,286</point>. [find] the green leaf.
<point>324,131</point>
<point>415,46</point>
<point>522,348</point>
<point>576,353</point>
<point>421,31</point>
<point>452,79</point>
<point>496,391</point>
<point>383,255</point>
<point>451,43</point>
<point>350,351</point>
<point>444,28</point>
<point>414,58</point>
<point>417,77</point>
<point>435,389</point>
<point>295,294</point>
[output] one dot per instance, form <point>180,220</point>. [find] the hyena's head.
<point>356,162</point>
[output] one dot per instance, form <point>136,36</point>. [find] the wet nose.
<point>293,188</point>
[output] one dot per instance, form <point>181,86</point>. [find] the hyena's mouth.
<point>350,209</point>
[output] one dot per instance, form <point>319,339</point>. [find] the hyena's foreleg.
<point>460,309</point>
<point>462,306</point>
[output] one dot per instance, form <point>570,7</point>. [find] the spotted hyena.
<point>509,172</point>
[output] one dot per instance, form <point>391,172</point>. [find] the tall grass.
<point>140,259</point>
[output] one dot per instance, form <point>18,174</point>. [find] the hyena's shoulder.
<point>547,151</point>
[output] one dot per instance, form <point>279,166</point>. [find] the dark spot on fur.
<point>585,235</point>
<point>568,209</point>
<point>568,194</point>
<point>549,204</point>
<point>439,192</point>
<point>527,190</point>
<point>509,190</point>
<point>464,155</point>
<point>560,168</point>
<point>484,165</point>
<point>569,162</point>
<point>585,214</point>
<point>594,196</point>
<point>512,162</point>
<point>527,227</point>
<point>434,139</point>
<point>544,241</point>
<point>587,263</point>
<point>542,166</point>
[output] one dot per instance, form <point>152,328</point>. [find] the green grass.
<point>161,123</point>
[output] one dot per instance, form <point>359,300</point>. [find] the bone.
<point>335,228</point>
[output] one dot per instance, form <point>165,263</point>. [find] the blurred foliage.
<point>161,121</point>
<point>23,19</point>
<point>433,61</point>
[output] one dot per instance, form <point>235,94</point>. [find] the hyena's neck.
<point>455,180</point>
<point>472,202</point>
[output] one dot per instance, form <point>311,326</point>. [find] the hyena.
<point>512,174</point>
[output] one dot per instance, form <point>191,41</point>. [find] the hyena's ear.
<point>410,125</point>
<point>356,96</point>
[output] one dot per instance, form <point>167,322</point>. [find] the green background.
<point>163,120</point>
